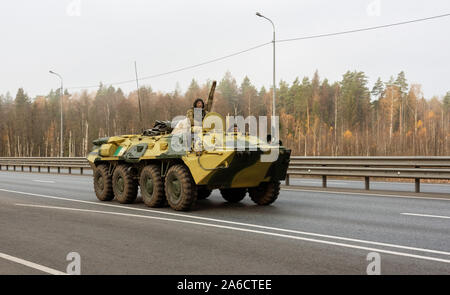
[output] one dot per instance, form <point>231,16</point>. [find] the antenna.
<point>139,97</point>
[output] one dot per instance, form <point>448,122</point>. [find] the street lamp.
<point>273,41</point>
<point>61,101</point>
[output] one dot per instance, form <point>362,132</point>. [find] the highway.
<point>43,217</point>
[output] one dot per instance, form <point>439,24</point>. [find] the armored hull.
<point>245,165</point>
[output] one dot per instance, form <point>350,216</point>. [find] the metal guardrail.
<point>388,167</point>
<point>69,163</point>
<point>416,168</point>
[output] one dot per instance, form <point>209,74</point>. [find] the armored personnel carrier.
<point>178,168</point>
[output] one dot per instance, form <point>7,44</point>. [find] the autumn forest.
<point>317,117</point>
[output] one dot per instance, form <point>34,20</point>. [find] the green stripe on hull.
<point>223,178</point>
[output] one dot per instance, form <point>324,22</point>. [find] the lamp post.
<point>273,41</point>
<point>61,151</point>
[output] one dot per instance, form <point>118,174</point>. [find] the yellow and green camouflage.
<point>223,166</point>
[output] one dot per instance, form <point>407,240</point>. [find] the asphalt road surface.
<point>45,217</point>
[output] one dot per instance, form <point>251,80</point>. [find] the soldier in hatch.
<point>199,106</point>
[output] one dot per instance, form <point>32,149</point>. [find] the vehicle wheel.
<point>203,193</point>
<point>103,183</point>
<point>181,192</point>
<point>266,193</point>
<point>152,186</point>
<point>233,195</point>
<point>124,186</point>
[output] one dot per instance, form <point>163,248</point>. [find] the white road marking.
<point>44,181</point>
<point>322,191</point>
<point>311,181</point>
<point>426,215</point>
<point>245,230</point>
<point>233,222</point>
<point>32,264</point>
<point>364,194</point>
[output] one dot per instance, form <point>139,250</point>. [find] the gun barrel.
<point>209,103</point>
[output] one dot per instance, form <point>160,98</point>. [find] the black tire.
<point>203,193</point>
<point>124,185</point>
<point>233,195</point>
<point>103,183</point>
<point>181,191</point>
<point>152,186</point>
<point>265,194</point>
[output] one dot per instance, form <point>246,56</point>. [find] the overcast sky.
<point>88,41</point>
